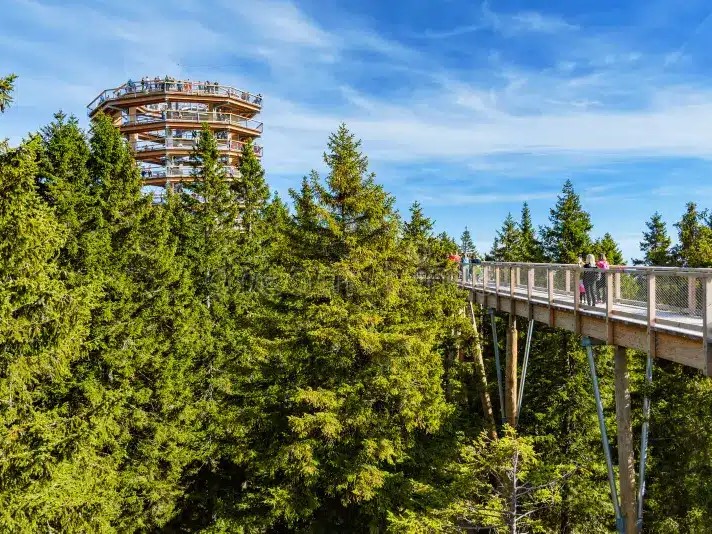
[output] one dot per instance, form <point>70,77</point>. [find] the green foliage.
<point>656,243</point>
<point>467,246</point>
<point>354,377</point>
<point>507,243</point>
<point>607,245</point>
<point>7,85</point>
<point>42,326</point>
<point>567,237</point>
<point>530,247</point>
<point>694,247</point>
<point>502,484</point>
<point>218,363</point>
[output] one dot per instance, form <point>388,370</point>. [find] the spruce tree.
<point>64,183</point>
<point>42,327</point>
<point>419,227</point>
<point>467,246</point>
<point>694,247</point>
<point>7,83</point>
<point>608,246</point>
<point>353,371</point>
<point>507,242</point>
<point>132,384</point>
<point>558,403</point>
<point>656,243</point>
<point>567,237</point>
<point>530,247</point>
<point>250,187</point>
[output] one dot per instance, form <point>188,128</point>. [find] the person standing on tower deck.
<point>589,279</point>
<point>601,288</point>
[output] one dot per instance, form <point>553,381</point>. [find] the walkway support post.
<point>586,342</point>
<point>707,323</point>
<point>626,460</point>
<point>644,439</point>
<point>495,343</point>
<point>481,377</point>
<point>525,364</point>
<point>510,383</point>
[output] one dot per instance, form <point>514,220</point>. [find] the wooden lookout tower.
<point>161,119</point>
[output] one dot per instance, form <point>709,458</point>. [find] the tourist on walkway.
<point>589,279</point>
<point>601,285</point>
<point>465,267</point>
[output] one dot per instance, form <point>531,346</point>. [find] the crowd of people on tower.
<point>167,83</point>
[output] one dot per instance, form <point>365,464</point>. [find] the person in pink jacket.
<point>601,287</point>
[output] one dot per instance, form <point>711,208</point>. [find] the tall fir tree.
<point>7,84</point>
<point>529,245</point>
<point>694,248</point>
<point>607,245</point>
<point>567,236</point>
<point>354,372</point>
<point>656,243</point>
<point>507,242</point>
<point>43,325</point>
<point>467,246</point>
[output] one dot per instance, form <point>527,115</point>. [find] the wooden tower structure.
<point>161,119</point>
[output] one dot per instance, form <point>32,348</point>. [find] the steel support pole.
<point>586,342</point>
<point>497,363</point>
<point>525,363</point>
<point>644,439</point>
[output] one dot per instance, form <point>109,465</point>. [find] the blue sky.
<point>469,107</point>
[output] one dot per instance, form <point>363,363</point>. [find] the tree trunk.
<point>510,380</point>
<point>626,462</point>
<point>481,379</point>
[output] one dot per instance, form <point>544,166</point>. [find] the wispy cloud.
<point>507,24</point>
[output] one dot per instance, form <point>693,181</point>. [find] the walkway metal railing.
<point>196,117</point>
<point>179,143</point>
<point>183,171</point>
<point>138,89</point>
<point>677,298</point>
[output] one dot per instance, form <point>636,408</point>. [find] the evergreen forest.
<point>228,361</point>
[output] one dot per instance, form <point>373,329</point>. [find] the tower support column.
<point>626,461</point>
<point>510,395</point>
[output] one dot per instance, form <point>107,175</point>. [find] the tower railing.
<point>179,143</point>
<point>195,117</point>
<point>138,89</point>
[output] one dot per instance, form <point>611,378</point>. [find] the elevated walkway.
<point>664,311</point>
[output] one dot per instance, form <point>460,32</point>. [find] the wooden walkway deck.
<point>664,311</point>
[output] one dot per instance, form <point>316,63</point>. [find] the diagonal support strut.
<point>498,364</point>
<point>586,342</point>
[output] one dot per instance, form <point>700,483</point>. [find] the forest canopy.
<point>226,361</point>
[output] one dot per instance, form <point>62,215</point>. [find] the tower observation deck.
<point>161,119</point>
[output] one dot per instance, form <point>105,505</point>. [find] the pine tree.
<point>250,187</point>
<point>42,327</point>
<point>531,250</point>
<point>466,244</point>
<point>567,237</point>
<point>63,181</point>
<point>656,243</point>
<point>507,242</point>
<point>353,372</point>
<point>694,247</point>
<point>7,84</point>
<point>132,384</point>
<point>558,405</point>
<point>607,246</point>
<point>419,227</point>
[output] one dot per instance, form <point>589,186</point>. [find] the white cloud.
<point>507,24</point>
